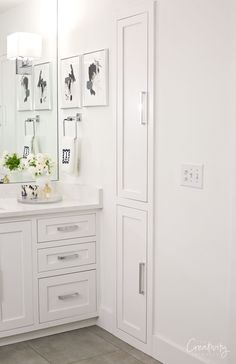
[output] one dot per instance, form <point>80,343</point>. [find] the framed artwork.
<point>24,92</point>
<point>95,78</point>
<point>42,86</point>
<point>71,82</point>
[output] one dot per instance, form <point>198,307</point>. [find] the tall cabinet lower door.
<point>16,275</point>
<point>132,107</point>
<point>132,246</point>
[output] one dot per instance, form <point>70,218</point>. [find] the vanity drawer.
<point>66,227</point>
<point>67,296</point>
<point>66,256</point>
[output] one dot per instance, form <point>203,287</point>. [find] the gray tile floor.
<point>85,346</point>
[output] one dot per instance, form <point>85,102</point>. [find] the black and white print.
<point>24,92</point>
<point>95,78</point>
<point>71,82</point>
<point>66,155</point>
<point>42,87</point>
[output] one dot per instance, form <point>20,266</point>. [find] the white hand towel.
<point>68,155</point>
<point>28,145</point>
<point>77,156</point>
<point>35,145</point>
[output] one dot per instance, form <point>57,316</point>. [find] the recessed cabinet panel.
<point>16,286</point>
<point>68,256</point>
<point>60,228</point>
<point>67,296</point>
<point>132,246</point>
<point>132,107</point>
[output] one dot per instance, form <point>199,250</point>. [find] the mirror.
<point>28,86</point>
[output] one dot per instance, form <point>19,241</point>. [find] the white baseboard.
<point>144,347</point>
<point>47,332</point>
<point>161,348</point>
<point>106,319</point>
<point>168,352</point>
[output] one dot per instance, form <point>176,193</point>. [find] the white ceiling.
<point>8,4</point>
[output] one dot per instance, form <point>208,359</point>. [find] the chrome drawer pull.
<point>67,257</point>
<point>68,296</point>
<point>67,229</point>
<point>141,278</point>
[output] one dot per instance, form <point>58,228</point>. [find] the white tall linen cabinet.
<point>135,145</point>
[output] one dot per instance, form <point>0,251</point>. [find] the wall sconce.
<point>24,48</point>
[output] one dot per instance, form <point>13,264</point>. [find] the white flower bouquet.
<point>39,165</point>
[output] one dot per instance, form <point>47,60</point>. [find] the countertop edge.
<point>49,210</point>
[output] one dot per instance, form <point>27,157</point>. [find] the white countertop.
<point>85,199</point>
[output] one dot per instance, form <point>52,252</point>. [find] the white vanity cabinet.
<point>48,270</point>
<point>68,293</point>
<point>16,275</point>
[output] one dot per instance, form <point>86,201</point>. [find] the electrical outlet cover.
<point>192,175</point>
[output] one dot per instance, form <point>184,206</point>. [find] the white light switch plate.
<point>192,175</point>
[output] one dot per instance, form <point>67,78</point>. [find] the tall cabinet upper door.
<point>132,109</point>
<point>131,266</point>
<point>16,292</point>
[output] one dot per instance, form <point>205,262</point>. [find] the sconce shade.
<point>23,45</point>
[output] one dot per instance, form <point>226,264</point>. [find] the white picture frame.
<point>71,82</point>
<point>95,78</point>
<point>24,93</point>
<point>42,86</point>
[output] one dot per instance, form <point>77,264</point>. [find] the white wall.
<point>193,227</point>
<point>195,124</point>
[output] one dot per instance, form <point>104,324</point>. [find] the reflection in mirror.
<point>28,82</point>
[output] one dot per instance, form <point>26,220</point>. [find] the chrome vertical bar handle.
<point>143,108</point>
<point>1,290</point>
<point>141,278</point>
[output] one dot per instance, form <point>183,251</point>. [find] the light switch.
<point>192,176</point>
